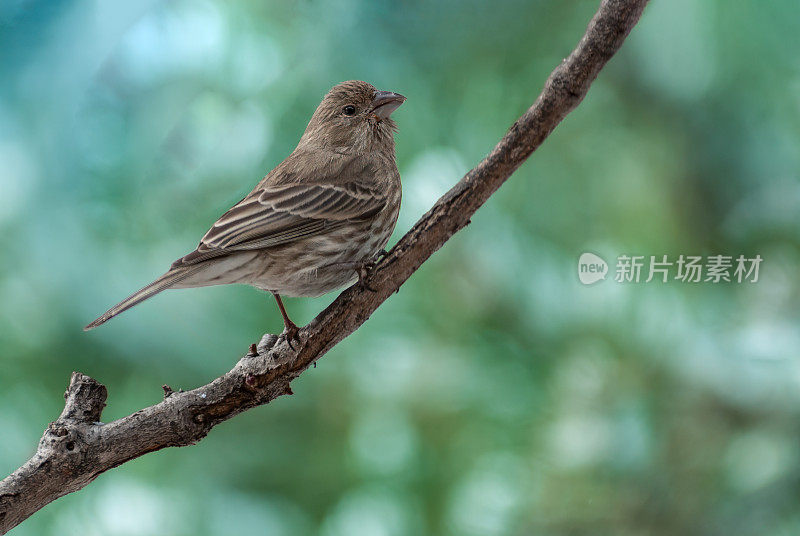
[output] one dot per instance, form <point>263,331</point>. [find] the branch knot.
<point>85,399</point>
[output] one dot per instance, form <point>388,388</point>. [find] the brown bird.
<point>316,221</point>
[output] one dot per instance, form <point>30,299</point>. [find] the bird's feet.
<point>291,333</point>
<point>365,269</point>
<point>290,329</point>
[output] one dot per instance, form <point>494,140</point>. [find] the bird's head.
<point>354,117</point>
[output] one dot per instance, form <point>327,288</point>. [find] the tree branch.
<point>76,448</point>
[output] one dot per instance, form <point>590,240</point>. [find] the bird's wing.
<point>279,214</point>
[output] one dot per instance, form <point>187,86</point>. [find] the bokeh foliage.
<point>494,394</point>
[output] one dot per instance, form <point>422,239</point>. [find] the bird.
<point>315,223</point>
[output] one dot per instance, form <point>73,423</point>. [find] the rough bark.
<point>77,447</point>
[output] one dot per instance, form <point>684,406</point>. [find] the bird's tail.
<point>162,283</point>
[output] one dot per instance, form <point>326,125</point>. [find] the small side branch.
<point>77,447</point>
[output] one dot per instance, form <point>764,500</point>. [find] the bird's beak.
<point>385,102</point>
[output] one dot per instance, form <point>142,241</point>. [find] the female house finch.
<point>313,222</point>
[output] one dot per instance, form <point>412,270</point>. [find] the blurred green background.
<point>494,394</point>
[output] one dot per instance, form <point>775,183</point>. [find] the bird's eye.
<point>349,110</point>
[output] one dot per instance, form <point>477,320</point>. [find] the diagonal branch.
<point>76,448</point>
